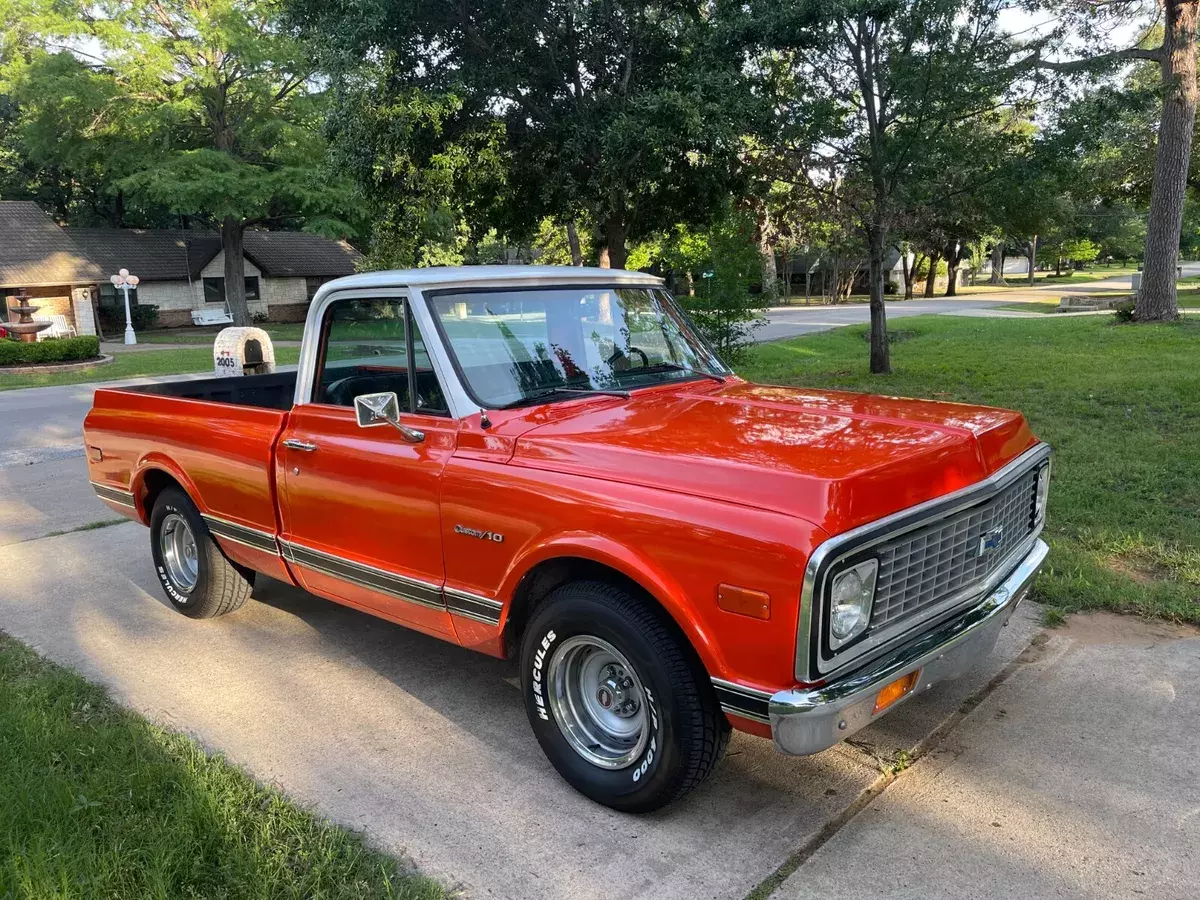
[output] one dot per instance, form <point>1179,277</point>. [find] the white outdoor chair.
<point>59,327</point>
<point>212,316</point>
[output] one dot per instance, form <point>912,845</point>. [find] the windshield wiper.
<point>675,367</point>
<point>553,392</point>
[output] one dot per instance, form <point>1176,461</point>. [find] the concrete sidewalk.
<point>1077,777</point>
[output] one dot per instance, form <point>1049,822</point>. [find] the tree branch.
<point>1035,61</point>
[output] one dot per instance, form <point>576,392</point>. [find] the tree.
<point>892,78</point>
<point>1175,57</point>
<point>721,263</point>
<point>625,114</point>
<point>203,108</point>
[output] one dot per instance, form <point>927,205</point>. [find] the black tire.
<point>220,587</point>
<point>688,733</point>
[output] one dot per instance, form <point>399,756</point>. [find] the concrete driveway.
<point>424,745</point>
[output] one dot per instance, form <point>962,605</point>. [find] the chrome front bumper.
<point>809,721</point>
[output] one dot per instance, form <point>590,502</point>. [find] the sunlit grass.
<point>1119,403</point>
<point>97,802</point>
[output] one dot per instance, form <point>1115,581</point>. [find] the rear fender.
<point>158,461</point>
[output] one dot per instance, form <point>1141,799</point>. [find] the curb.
<point>53,368</point>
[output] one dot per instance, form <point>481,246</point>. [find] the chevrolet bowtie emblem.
<point>990,540</point>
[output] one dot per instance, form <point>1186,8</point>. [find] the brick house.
<point>40,262</point>
<point>180,270</point>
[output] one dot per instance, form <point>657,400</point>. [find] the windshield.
<point>512,346</point>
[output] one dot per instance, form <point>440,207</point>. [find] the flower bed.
<point>58,350</point>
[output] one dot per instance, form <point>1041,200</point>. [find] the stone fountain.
<point>25,326</point>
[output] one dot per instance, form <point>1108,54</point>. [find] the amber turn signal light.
<point>744,601</point>
<point>895,691</point>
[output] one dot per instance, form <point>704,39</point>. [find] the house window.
<point>110,296</point>
<point>311,283</point>
<point>214,290</point>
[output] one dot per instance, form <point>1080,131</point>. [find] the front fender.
<point>630,563</point>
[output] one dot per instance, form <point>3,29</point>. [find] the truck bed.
<point>272,391</point>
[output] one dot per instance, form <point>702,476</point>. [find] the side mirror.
<point>372,410</point>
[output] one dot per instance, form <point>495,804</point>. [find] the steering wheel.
<point>621,354</point>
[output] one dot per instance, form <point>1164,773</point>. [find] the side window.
<point>365,350</point>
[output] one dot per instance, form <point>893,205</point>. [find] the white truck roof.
<point>478,276</point>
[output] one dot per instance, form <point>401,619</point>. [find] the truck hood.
<point>835,459</point>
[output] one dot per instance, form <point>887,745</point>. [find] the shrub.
<point>891,287</point>
<point>18,353</point>
<point>143,316</point>
<point>1124,311</point>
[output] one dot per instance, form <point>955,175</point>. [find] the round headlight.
<point>851,596</point>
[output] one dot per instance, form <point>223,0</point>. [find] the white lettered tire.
<point>617,699</point>
<point>197,578</point>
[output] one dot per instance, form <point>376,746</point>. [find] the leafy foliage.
<point>720,264</point>
<point>628,114</point>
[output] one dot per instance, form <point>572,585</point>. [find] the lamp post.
<point>125,281</point>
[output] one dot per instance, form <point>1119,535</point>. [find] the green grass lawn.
<point>137,364</point>
<point>97,802</point>
<point>285,331</point>
<point>1119,403</point>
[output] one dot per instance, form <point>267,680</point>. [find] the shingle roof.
<point>34,251</point>
<point>167,255</point>
<point>153,255</point>
<point>296,254</point>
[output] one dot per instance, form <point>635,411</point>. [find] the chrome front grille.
<point>933,563</point>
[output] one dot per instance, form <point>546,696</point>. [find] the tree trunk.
<point>770,274</point>
<point>573,241</point>
<point>1157,300</point>
<point>997,276</point>
<point>235,270</point>
<point>1057,266</point>
<point>931,278</point>
<point>766,249</point>
<point>953,259</point>
<point>1032,254</point>
<point>613,253</point>
<point>881,363</point>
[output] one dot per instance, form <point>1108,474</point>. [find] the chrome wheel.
<point>598,702</point>
<point>179,556</point>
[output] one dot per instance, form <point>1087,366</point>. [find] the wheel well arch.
<point>549,574</point>
<point>152,482</point>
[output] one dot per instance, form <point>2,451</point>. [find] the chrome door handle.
<point>299,445</point>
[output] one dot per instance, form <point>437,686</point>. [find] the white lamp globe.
<point>133,280</point>
<point>116,280</point>
<point>123,272</point>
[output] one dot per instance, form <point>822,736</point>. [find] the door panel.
<point>360,506</point>
<point>360,511</point>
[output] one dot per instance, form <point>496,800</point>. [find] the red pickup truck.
<point>551,465</point>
